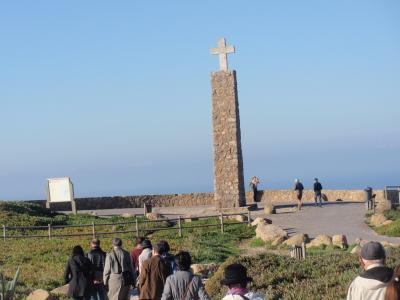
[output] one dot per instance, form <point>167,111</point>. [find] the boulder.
<point>269,209</point>
<point>340,241</point>
<point>383,205</point>
<point>278,241</point>
<point>260,220</point>
<point>270,232</point>
<point>377,220</point>
<point>39,295</point>
<point>296,240</point>
<point>62,290</point>
<point>128,215</point>
<point>238,218</point>
<point>387,222</point>
<point>190,218</point>
<point>154,216</point>
<point>356,250</point>
<point>320,240</point>
<point>204,270</point>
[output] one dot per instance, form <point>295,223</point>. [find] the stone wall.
<point>195,199</point>
<point>228,161</point>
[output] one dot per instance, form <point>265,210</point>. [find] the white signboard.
<point>60,190</point>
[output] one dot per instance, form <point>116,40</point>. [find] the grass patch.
<point>257,242</point>
<point>392,229</point>
<point>43,260</point>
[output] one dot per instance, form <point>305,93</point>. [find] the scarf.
<point>238,291</point>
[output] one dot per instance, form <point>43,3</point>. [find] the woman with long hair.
<point>79,275</point>
<point>393,288</point>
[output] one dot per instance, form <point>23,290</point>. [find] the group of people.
<point>298,188</point>
<point>151,269</point>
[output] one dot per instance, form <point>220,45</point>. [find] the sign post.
<point>60,190</point>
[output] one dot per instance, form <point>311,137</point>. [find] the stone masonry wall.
<point>228,160</point>
<point>195,199</point>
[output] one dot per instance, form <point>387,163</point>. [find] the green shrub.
<point>7,288</point>
<point>325,276</point>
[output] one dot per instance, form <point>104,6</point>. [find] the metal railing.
<point>136,228</point>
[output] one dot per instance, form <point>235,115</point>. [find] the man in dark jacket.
<point>153,275</point>
<point>317,192</point>
<point>97,257</point>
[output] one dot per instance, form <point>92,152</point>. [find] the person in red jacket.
<point>135,254</point>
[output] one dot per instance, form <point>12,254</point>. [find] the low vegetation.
<point>392,229</point>
<point>323,276</point>
<point>42,260</point>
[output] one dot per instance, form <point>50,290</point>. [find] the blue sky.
<point>116,95</point>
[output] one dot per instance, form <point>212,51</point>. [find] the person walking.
<point>135,253</point>
<point>183,285</point>
<point>393,288</point>
<point>118,272</point>
<point>97,257</point>
<point>235,277</point>
<point>168,257</point>
<point>317,192</point>
<point>147,250</point>
<point>153,275</point>
<point>254,185</point>
<point>372,283</point>
<point>298,188</point>
<point>79,275</point>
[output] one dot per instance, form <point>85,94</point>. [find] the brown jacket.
<point>153,275</point>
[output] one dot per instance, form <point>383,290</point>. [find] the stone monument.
<point>228,161</point>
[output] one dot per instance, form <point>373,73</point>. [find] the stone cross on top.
<point>222,51</point>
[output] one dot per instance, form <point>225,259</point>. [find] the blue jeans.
<point>99,292</point>
<point>318,196</point>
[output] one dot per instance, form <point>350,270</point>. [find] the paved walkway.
<point>333,218</point>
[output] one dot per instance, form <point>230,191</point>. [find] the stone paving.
<point>333,218</point>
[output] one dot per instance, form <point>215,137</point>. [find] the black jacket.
<point>79,274</point>
<point>97,258</point>
<point>317,187</point>
<point>299,187</point>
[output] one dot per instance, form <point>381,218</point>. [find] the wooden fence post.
<point>4,232</point>
<point>303,248</point>
<point>93,231</point>
<point>180,226</point>
<point>248,218</point>
<point>49,230</point>
<point>137,227</point>
<point>222,222</point>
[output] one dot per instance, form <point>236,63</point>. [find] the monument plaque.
<point>60,190</point>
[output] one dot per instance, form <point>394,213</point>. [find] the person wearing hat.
<point>118,272</point>
<point>317,192</point>
<point>97,257</point>
<point>372,282</point>
<point>235,277</point>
